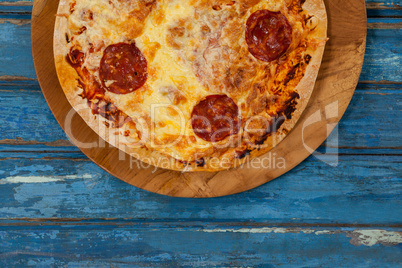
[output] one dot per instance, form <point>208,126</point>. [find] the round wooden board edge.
<point>198,184</point>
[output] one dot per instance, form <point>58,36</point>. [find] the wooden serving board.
<point>337,79</point>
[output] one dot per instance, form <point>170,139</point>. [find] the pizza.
<point>190,85</point>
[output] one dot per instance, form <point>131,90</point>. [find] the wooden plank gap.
<point>381,25</point>
<point>20,141</point>
<point>73,159</point>
<point>365,148</point>
<point>18,22</point>
<point>20,90</point>
<point>38,152</point>
<point>17,3</point>
<point>12,78</point>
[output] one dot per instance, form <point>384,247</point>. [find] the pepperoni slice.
<point>268,35</point>
<point>123,68</point>
<point>215,118</point>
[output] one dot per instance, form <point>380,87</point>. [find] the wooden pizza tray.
<point>337,79</point>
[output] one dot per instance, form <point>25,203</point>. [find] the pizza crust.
<point>68,78</point>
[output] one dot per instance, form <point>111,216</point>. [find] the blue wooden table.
<point>58,208</point>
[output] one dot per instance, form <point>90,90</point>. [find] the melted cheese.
<point>169,71</point>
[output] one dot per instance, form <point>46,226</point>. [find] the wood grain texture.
<point>156,245</point>
<point>344,53</point>
<point>376,55</point>
<point>15,52</point>
<point>361,189</point>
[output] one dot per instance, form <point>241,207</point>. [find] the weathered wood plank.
<point>15,52</point>
<point>384,23</point>
<point>360,189</point>
<point>381,62</point>
<point>372,119</point>
<point>367,121</point>
<point>34,150</point>
<point>196,246</point>
<point>29,117</point>
<point>383,54</point>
